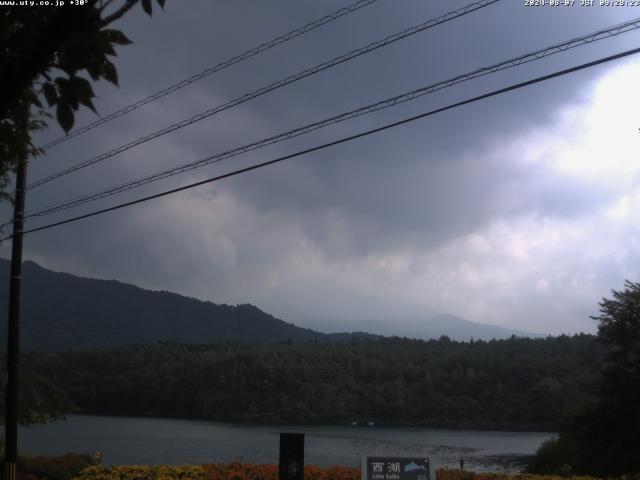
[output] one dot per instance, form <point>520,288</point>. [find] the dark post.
<point>291,456</point>
<point>13,335</point>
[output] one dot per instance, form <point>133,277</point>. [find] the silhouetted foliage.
<point>603,436</point>
<point>41,400</point>
<point>43,51</point>
<point>63,467</point>
<point>43,54</point>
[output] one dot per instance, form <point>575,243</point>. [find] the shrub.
<point>466,475</point>
<point>143,472</point>
<point>63,467</point>
<point>215,471</point>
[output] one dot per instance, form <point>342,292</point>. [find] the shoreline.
<point>440,426</point>
<point>153,440</point>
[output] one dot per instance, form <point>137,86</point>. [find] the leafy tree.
<point>602,437</point>
<point>45,55</point>
<point>41,400</point>
<point>617,416</point>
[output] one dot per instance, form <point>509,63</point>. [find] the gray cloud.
<point>451,213</point>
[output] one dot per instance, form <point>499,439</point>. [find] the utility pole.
<point>13,336</point>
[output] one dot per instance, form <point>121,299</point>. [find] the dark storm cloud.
<point>413,189</point>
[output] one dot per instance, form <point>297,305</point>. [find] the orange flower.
<point>236,471</point>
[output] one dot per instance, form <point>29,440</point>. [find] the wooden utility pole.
<point>13,336</point>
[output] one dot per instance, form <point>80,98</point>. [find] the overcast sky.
<point>520,211</point>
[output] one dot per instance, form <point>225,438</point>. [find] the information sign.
<point>395,468</point>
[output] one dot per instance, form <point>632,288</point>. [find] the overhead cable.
<point>340,141</point>
<point>389,102</point>
<point>213,69</point>
<point>276,85</point>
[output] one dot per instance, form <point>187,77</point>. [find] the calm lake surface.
<point>166,441</point>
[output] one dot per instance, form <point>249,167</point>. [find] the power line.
<point>389,102</point>
<point>286,81</point>
<point>216,68</point>
<point>342,140</point>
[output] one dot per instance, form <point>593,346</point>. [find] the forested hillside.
<point>62,311</point>
<point>510,384</point>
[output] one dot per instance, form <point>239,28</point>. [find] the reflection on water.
<point>156,440</point>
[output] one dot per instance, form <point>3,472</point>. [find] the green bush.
<point>554,457</point>
<point>63,467</point>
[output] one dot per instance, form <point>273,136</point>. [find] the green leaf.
<point>117,37</point>
<point>65,117</point>
<point>108,72</point>
<point>67,92</point>
<point>82,87</point>
<point>146,6</point>
<point>50,93</point>
<point>83,91</point>
<point>94,65</point>
<point>75,53</point>
<point>100,44</point>
<point>89,104</point>
<point>107,48</point>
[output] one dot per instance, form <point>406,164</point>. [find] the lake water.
<point>165,441</point>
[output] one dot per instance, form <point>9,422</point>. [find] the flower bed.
<point>217,471</point>
<point>143,472</point>
<point>248,471</point>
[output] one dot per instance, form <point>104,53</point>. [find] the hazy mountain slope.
<point>62,311</point>
<point>452,326</point>
<point>459,329</point>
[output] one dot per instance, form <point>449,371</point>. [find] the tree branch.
<point>129,4</point>
<point>105,5</point>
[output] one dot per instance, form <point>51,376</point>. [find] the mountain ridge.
<point>429,327</point>
<point>61,310</point>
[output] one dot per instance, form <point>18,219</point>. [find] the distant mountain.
<point>452,326</point>
<point>62,311</point>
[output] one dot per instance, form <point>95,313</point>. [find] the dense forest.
<point>601,437</point>
<point>518,383</point>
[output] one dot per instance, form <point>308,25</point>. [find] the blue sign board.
<point>395,468</point>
